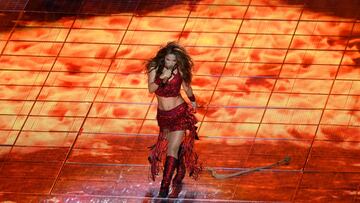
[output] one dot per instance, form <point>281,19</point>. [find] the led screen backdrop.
<point>272,78</point>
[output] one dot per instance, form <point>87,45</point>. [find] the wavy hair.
<point>184,61</point>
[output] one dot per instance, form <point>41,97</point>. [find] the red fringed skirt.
<point>179,118</point>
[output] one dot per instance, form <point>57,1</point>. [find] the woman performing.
<point>167,72</point>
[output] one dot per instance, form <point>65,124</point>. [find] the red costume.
<point>178,118</point>
<point>171,88</point>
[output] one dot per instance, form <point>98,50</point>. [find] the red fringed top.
<point>171,88</point>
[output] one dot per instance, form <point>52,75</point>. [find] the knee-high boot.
<point>170,165</point>
<point>180,174</point>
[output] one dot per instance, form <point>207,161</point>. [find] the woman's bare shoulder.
<point>152,67</point>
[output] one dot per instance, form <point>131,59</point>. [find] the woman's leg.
<point>180,174</point>
<point>174,141</point>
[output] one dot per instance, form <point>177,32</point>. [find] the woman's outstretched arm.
<point>190,94</point>
<point>187,88</point>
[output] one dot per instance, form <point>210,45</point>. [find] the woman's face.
<point>170,60</point>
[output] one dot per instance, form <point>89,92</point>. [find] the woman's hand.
<point>166,74</point>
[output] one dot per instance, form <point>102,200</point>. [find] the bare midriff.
<point>168,103</point>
